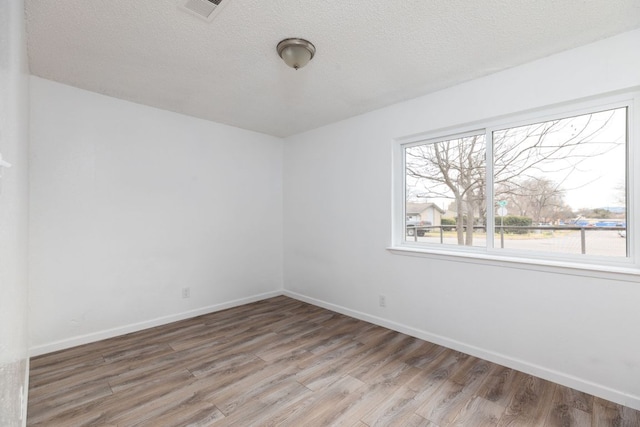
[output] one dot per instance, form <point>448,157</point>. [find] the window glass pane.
<point>560,185</point>
<point>445,199</point>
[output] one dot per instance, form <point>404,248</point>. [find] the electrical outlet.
<point>186,292</point>
<point>382,300</point>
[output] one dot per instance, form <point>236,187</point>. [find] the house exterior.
<point>428,213</point>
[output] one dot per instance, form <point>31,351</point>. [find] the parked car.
<point>417,227</point>
<point>607,224</point>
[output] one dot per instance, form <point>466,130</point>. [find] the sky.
<point>600,178</point>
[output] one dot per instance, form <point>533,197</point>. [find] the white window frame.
<point>581,264</point>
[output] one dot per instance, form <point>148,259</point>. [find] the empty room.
<point>319,213</point>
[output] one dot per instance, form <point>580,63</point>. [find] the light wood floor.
<point>284,362</point>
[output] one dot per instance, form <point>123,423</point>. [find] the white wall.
<point>129,204</point>
<point>576,330</point>
<point>13,214</point>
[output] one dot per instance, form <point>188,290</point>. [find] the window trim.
<point>524,259</point>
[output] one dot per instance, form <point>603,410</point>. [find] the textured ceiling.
<point>370,53</point>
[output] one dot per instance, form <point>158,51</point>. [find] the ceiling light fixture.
<point>296,53</point>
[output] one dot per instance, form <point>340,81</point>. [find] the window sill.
<point>622,273</point>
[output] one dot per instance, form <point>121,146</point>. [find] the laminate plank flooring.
<point>282,362</point>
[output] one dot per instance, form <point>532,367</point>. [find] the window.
<point>553,187</point>
<point>450,174</point>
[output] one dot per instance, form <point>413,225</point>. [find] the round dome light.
<point>296,53</point>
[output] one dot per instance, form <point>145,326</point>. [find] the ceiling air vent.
<point>205,9</point>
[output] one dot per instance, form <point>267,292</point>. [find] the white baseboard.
<point>501,359</point>
<point>134,327</point>
<point>25,393</point>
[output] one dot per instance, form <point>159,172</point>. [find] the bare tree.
<point>452,169</point>
<point>538,198</point>
<point>455,168</point>
<point>555,146</point>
